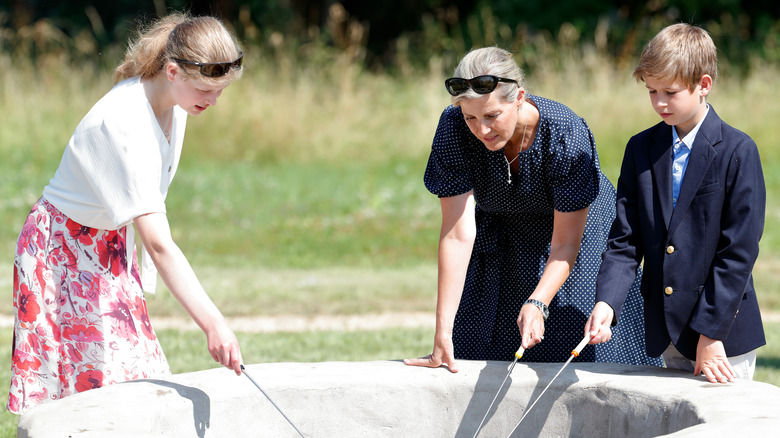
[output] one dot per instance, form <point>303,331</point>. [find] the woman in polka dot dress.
<point>525,216</point>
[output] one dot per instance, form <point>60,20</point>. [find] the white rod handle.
<point>581,345</point>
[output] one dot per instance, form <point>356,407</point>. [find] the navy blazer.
<point>698,256</point>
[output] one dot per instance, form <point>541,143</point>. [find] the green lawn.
<point>306,198</point>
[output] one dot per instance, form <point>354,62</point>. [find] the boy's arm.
<point>742,223</point>
<point>623,254</point>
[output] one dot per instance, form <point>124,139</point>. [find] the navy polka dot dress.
<point>559,171</point>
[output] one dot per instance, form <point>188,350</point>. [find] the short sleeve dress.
<point>559,171</point>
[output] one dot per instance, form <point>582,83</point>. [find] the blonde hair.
<point>198,39</point>
<point>490,61</point>
<point>680,52</point>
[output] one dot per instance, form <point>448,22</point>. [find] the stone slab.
<point>390,399</point>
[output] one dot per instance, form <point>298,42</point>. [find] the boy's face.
<point>677,105</point>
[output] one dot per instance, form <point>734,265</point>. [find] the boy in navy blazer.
<point>690,207</point>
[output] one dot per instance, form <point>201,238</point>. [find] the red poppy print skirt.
<point>81,319</point>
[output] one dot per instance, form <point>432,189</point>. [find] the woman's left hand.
<point>531,324</point>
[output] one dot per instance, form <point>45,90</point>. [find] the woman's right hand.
<point>456,240</point>
<point>443,354</point>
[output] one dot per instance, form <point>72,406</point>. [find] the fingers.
<point>235,361</point>
<point>600,334</point>
<point>718,372</point>
<point>712,361</point>
<point>531,325</point>
<point>531,338</point>
<point>430,361</point>
<point>425,361</point>
<point>227,354</point>
<point>599,323</point>
<point>716,375</point>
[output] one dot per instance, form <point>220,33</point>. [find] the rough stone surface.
<point>389,399</point>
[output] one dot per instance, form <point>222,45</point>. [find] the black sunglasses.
<point>215,69</point>
<point>481,84</point>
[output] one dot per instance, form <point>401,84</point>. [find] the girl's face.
<point>676,104</point>
<point>492,120</point>
<point>192,94</point>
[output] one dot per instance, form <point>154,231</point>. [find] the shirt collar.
<point>688,139</point>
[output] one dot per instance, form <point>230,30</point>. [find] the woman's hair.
<point>490,61</point>
<point>198,39</point>
<point>679,52</point>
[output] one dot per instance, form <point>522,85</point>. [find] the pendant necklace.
<point>166,125</point>
<point>509,163</point>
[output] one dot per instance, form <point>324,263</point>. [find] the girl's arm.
<point>180,279</point>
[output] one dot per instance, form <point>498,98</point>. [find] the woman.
<point>81,319</point>
<point>525,216</point>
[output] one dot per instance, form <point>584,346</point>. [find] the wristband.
<point>543,307</point>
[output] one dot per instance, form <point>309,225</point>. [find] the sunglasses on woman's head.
<point>481,84</point>
<point>215,69</point>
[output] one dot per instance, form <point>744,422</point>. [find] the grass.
<point>306,197</point>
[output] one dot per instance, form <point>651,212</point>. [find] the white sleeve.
<point>121,161</point>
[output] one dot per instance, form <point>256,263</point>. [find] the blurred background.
<point>299,197</point>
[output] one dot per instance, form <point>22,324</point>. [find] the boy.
<point>690,205</point>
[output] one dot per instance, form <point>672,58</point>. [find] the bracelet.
<point>540,305</point>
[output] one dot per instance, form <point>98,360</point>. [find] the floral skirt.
<point>81,319</point>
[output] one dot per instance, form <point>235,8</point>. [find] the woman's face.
<point>492,120</point>
<point>192,94</point>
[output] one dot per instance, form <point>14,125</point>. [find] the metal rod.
<point>518,355</point>
<point>272,402</point>
<point>574,353</point>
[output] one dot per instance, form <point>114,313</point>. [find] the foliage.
<point>302,191</point>
<point>385,35</point>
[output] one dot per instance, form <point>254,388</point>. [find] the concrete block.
<point>390,399</point>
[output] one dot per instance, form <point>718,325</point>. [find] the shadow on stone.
<point>201,403</point>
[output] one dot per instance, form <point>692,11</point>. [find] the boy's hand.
<point>600,322</point>
<point>711,360</point>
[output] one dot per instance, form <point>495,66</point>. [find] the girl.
<point>81,319</point>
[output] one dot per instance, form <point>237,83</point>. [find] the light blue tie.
<point>679,164</point>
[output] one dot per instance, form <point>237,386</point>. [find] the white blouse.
<point>118,165</point>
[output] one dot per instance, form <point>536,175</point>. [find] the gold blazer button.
<point>668,290</point>
<point>669,249</point>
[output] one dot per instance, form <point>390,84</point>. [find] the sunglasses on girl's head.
<point>481,84</point>
<point>215,69</point>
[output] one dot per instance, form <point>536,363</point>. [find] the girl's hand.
<point>223,347</point>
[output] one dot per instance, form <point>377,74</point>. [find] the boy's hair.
<point>680,52</point>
